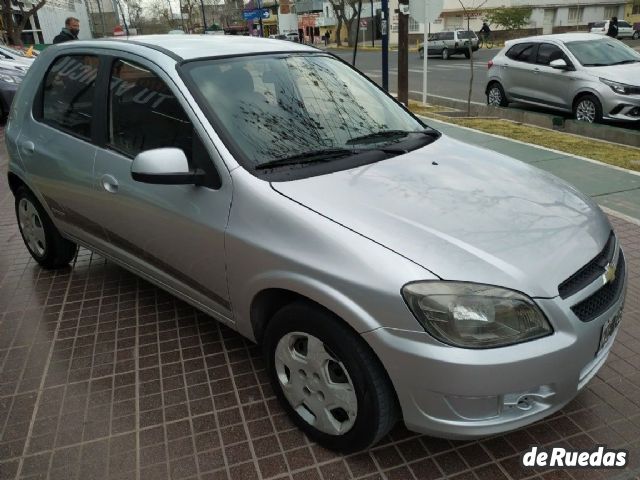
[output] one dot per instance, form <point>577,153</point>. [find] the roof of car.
<point>199,46</point>
<point>559,37</point>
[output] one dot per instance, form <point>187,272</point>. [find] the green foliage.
<point>511,18</point>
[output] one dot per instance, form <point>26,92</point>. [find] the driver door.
<point>172,233</point>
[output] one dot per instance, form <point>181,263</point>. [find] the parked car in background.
<point>17,56</point>
<point>176,32</point>
<point>293,37</point>
<point>387,270</point>
<point>636,30</point>
<point>454,42</point>
<point>278,36</point>
<point>596,78</point>
<point>10,80</point>
<point>625,30</point>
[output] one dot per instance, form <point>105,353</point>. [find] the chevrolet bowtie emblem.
<point>609,273</point>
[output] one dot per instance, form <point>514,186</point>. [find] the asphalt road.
<point>447,78</point>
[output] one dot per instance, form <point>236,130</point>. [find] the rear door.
<point>520,81</point>
<point>625,30</point>
<point>56,144</point>
<point>173,233</point>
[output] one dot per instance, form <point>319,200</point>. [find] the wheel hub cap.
<point>586,111</point>
<point>495,97</point>
<point>316,383</point>
<point>31,227</point>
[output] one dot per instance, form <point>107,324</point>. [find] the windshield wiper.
<point>307,157</point>
<point>596,64</point>
<point>624,62</point>
<point>385,134</point>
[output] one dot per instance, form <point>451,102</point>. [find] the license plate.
<point>609,328</point>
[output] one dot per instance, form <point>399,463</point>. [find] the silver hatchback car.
<point>389,271</point>
<point>592,76</point>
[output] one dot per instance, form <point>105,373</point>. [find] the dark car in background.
<point>10,80</point>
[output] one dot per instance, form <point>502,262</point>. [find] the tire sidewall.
<point>323,325</point>
<point>597,104</point>
<point>445,54</point>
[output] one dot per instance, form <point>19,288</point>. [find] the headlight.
<point>471,315</point>
<point>620,88</point>
<point>10,78</point>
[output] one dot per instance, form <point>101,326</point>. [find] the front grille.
<point>596,304</point>
<point>590,271</point>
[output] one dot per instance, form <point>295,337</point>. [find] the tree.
<point>338,7</point>
<point>12,28</point>
<point>470,10</point>
<point>511,18</point>
<point>134,8</point>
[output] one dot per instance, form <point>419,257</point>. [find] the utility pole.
<point>355,46</point>
<point>384,24</point>
<point>204,20</point>
<point>403,52</point>
<point>373,27</point>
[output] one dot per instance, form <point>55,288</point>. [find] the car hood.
<point>629,74</point>
<point>464,213</point>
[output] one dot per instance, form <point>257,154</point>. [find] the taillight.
<point>490,64</point>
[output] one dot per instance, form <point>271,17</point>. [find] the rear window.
<point>522,52</point>
<point>465,35</point>
<point>67,101</point>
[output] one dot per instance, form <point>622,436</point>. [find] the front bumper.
<point>459,393</point>
<point>618,107</point>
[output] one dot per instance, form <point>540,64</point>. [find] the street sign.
<point>256,14</point>
<point>417,9</point>
<point>363,24</point>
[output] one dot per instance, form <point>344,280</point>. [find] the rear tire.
<point>445,54</point>
<point>327,378</point>
<point>496,96</point>
<point>587,108</point>
<point>636,35</point>
<point>467,54</point>
<point>40,236</point>
<point>421,54</point>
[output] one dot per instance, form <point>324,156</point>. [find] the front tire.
<point>587,108</point>
<point>421,54</point>
<point>40,236</point>
<point>328,379</point>
<point>445,54</point>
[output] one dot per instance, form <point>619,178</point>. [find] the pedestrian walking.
<point>613,28</point>
<point>69,32</point>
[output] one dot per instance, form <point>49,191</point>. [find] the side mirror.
<point>559,64</point>
<point>165,166</point>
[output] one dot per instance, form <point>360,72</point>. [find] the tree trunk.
<point>350,33</point>
<point>338,32</point>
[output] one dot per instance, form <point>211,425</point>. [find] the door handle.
<point>109,183</point>
<point>28,147</point>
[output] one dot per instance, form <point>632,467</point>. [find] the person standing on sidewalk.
<point>69,32</point>
<point>613,28</point>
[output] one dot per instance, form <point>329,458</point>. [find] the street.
<point>447,78</point>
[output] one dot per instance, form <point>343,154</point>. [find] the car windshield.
<point>466,34</point>
<point>274,108</point>
<point>602,53</point>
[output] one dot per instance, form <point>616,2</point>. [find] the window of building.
<point>414,26</point>
<point>635,10</point>
<point>575,15</point>
<point>611,12</point>
<point>67,102</point>
<point>144,114</point>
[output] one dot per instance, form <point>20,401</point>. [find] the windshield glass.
<point>277,107</point>
<point>602,53</point>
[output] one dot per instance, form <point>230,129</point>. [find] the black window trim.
<point>38,104</point>
<point>214,180</point>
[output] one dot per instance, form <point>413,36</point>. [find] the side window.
<point>547,53</point>
<point>144,114</point>
<point>523,52</point>
<point>67,102</point>
<point>447,36</point>
<point>623,25</point>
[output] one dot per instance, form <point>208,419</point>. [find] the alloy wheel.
<point>586,111</point>
<point>494,96</point>
<point>316,383</point>
<point>32,227</point>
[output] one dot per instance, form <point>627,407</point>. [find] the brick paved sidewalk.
<point>104,376</point>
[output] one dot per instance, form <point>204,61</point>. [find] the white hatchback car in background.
<point>625,30</point>
<point>594,77</point>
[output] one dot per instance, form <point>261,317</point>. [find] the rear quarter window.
<point>522,52</point>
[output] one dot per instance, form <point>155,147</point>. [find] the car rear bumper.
<point>462,393</point>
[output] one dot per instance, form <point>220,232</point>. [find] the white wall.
<point>287,23</point>
<point>52,20</point>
